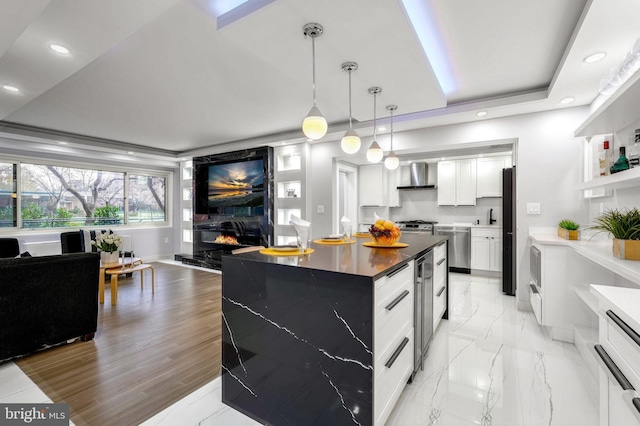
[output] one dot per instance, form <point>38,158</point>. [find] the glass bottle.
<point>622,163</point>
<point>602,161</point>
<point>608,156</point>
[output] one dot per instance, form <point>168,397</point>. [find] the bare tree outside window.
<point>147,195</point>
<point>55,196</point>
<point>7,196</point>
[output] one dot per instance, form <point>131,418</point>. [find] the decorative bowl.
<point>386,238</point>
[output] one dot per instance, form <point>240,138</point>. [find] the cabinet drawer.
<point>626,342</point>
<point>440,252</point>
<point>390,381</point>
<point>389,323</point>
<point>390,286</point>
<point>482,232</point>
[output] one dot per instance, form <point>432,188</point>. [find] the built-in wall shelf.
<point>616,113</point>
<point>627,179</point>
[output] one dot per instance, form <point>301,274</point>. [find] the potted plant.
<point>568,230</point>
<point>108,244</point>
<point>624,226</point>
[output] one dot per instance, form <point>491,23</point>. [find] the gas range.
<point>416,225</point>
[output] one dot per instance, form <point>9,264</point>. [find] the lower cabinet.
<point>618,353</point>
<point>486,249</point>
<point>392,339</point>
<point>439,283</point>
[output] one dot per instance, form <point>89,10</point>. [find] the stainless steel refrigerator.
<point>509,272</point>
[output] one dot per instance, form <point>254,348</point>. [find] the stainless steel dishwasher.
<point>459,247</point>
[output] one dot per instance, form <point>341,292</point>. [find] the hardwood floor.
<point>149,351</point>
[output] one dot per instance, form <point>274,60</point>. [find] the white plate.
<point>285,248</point>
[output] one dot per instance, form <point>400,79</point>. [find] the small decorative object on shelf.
<point>634,150</point>
<point>622,163</point>
<point>608,158</point>
<point>568,229</point>
<point>291,193</point>
<point>624,226</point>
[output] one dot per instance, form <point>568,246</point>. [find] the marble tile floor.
<point>489,364</point>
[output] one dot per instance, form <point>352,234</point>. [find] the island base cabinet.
<point>391,379</point>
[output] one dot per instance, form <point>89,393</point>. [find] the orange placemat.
<point>334,243</point>
<point>362,235</point>
<point>272,252</point>
<point>376,245</point>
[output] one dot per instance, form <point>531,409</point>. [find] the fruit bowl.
<point>385,233</point>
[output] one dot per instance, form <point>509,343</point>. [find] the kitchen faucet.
<point>491,219</point>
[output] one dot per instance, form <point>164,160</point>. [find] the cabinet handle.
<point>534,288</point>
<point>440,261</point>
<point>397,300</point>
<point>636,403</point>
<point>397,352</point>
<point>612,368</point>
<point>402,268</point>
<point>623,325</point>
<point>440,292</point>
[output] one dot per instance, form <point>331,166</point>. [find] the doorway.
<point>346,196</point>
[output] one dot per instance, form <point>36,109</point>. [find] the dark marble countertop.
<point>355,259</point>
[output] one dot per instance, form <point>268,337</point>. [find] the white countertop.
<point>597,251</point>
<point>623,301</point>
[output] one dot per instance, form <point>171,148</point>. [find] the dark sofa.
<point>47,300</point>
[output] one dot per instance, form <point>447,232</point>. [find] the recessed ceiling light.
<point>63,142</point>
<point>382,129</point>
<point>10,88</point>
<point>309,140</point>
<point>567,100</point>
<point>130,152</point>
<point>59,49</point>
<point>481,113</point>
<point>594,57</point>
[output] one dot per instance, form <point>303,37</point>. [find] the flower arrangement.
<point>108,242</point>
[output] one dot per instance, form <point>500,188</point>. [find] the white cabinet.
<point>486,249</point>
<point>439,283</point>
<point>489,177</point>
<point>457,182</point>
<point>392,339</point>
<point>372,185</point>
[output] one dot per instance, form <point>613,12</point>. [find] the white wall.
<point>548,160</point>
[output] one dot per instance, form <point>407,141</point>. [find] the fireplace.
<point>212,240</point>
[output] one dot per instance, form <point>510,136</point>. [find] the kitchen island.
<point>324,338</point>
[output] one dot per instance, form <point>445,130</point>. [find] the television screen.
<point>235,189</point>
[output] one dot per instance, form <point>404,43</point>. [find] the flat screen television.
<point>232,188</point>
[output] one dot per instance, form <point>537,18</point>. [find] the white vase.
<point>109,257</point>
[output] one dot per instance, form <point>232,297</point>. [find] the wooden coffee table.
<point>127,269</point>
<point>126,261</point>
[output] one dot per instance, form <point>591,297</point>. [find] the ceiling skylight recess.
<point>229,11</point>
<point>424,24</point>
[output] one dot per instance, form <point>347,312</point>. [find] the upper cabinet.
<point>489,180</point>
<point>373,185</point>
<point>457,182</point>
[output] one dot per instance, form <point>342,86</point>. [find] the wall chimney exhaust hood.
<point>418,177</point>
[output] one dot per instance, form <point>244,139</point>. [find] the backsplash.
<point>423,204</point>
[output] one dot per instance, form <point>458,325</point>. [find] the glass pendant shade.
<point>350,142</point>
<point>314,125</point>
<point>374,153</point>
<point>391,162</point>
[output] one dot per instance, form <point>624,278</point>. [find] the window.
<point>147,198</point>
<point>8,217</point>
<point>57,196</point>
<point>53,196</point>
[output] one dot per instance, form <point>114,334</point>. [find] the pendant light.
<point>314,125</point>
<point>374,153</point>
<point>350,141</point>
<point>391,162</point>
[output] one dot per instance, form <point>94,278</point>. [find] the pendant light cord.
<point>374,117</point>
<point>350,125</point>
<point>313,54</point>
<point>391,130</point>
